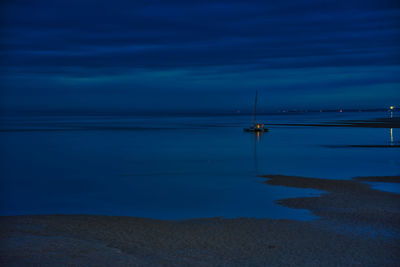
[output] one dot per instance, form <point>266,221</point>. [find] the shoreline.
<point>373,123</point>
<point>357,225</point>
<point>346,201</point>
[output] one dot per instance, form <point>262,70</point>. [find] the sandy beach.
<point>357,226</point>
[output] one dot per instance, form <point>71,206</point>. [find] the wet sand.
<point>348,202</point>
<point>358,226</point>
<point>381,179</point>
<point>375,123</point>
<point>363,146</point>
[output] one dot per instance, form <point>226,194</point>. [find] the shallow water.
<point>178,167</point>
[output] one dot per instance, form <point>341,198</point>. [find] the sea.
<point>181,166</point>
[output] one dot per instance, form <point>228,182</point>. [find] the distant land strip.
<point>363,146</point>
<point>374,123</point>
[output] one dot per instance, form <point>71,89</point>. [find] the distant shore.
<point>358,226</point>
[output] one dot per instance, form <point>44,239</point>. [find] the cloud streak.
<point>95,39</point>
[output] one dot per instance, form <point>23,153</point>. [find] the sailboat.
<point>256,127</point>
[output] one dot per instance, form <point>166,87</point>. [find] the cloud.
<point>84,41</point>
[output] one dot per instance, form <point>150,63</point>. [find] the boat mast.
<point>255,109</point>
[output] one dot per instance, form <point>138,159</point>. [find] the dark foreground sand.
<point>358,226</point>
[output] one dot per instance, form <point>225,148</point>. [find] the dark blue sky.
<point>199,55</point>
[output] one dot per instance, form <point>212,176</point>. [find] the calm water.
<point>177,167</point>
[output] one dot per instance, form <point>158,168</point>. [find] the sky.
<point>198,55</point>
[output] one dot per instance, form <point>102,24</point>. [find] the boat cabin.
<point>257,127</point>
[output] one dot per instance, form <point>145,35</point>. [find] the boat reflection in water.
<point>258,136</point>
<point>257,140</point>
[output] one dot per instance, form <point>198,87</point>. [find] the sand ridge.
<point>86,240</point>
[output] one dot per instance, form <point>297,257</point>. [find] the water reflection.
<point>257,142</point>
<point>258,136</point>
<point>391,136</point>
